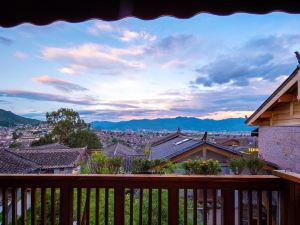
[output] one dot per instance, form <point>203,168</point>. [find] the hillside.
<point>8,119</point>
<point>171,124</point>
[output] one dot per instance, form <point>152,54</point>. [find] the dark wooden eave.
<point>39,12</point>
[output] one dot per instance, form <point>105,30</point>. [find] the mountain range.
<point>9,119</point>
<point>171,124</point>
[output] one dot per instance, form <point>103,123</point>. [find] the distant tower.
<point>298,57</point>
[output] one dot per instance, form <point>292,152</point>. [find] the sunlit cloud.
<point>61,85</point>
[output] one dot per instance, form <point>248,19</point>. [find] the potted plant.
<point>255,164</point>
<point>237,165</point>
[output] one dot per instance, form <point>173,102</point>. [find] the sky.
<point>206,67</point>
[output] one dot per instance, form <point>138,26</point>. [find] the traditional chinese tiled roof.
<point>14,163</point>
<point>120,150</point>
<point>179,144</point>
<point>53,158</point>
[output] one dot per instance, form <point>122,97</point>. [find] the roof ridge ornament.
<point>298,57</point>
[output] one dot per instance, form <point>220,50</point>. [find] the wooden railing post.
<point>227,206</point>
<point>173,206</point>
<point>66,206</point>
<point>119,218</point>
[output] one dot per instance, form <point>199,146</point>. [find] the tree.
<point>47,139</point>
<point>84,138</point>
<point>65,122</point>
<point>237,165</point>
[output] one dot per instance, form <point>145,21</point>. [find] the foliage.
<point>15,145</point>
<point>114,164</point>
<point>15,136</point>
<point>84,138</point>
<point>65,122</point>
<point>237,165</point>
<point>140,165</point>
<point>47,139</point>
<point>102,164</point>
<point>156,166</point>
<point>255,164</point>
<point>202,167</point>
<point>169,167</point>
<point>147,150</point>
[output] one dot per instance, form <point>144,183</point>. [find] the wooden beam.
<point>298,89</point>
<point>286,98</point>
<point>267,114</point>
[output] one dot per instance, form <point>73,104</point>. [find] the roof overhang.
<point>284,87</point>
<point>15,12</point>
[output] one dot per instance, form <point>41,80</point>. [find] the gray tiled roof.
<point>53,158</point>
<point>180,144</point>
<point>120,150</point>
<point>13,163</point>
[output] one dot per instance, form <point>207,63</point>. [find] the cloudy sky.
<point>207,66</point>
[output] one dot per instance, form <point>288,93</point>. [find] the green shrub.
<point>237,165</point>
<point>207,167</point>
<point>156,166</point>
<point>114,164</point>
<point>102,164</point>
<point>46,140</point>
<point>140,165</point>
<point>255,164</point>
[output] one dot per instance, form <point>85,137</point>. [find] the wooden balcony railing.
<point>149,199</point>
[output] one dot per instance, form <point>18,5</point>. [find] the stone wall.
<point>280,145</point>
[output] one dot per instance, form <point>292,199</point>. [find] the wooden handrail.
<point>287,175</point>
<point>206,194</point>
<point>142,181</point>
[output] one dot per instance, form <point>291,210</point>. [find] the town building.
<point>278,119</point>
<point>54,158</point>
<point>177,148</point>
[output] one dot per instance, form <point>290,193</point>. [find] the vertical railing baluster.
<point>87,206</point>
<point>150,206</point>
<point>204,206</point>
<point>66,206</point>
<point>159,206</point>
<point>214,199</point>
<point>227,206</point>
<point>195,200</point>
<point>173,206</point>
<point>52,205</point>
<point>79,199</point>
<point>131,206</point>
<point>141,207</point>
<point>269,208</point>
<point>14,206</point>
<point>24,206</point>
<point>106,202</point>
<point>43,206</point>
<point>33,206</point>
<point>97,207</point>
<point>250,208</point>
<point>240,210</point>
<point>4,206</point>
<point>259,207</point>
<point>119,198</point>
<point>185,201</point>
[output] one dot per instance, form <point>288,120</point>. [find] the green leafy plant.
<point>237,165</point>
<point>206,167</point>
<point>114,164</point>
<point>140,165</point>
<point>255,164</point>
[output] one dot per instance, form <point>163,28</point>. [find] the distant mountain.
<point>8,119</point>
<point>171,124</point>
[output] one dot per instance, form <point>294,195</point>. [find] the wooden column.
<point>173,206</point>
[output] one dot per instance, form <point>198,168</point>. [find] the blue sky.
<point>206,66</point>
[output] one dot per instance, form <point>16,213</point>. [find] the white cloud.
<point>20,55</point>
<point>95,56</point>
<point>123,34</point>
<point>219,115</point>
